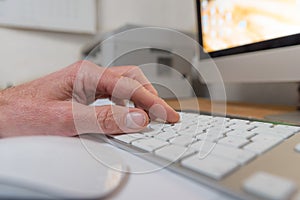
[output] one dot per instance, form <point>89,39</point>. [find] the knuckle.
<point>81,65</point>
<point>106,121</point>
<point>134,72</point>
<point>137,70</point>
<point>125,88</point>
<point>84,62</point>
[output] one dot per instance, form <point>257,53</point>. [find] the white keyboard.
<point>211,146</point>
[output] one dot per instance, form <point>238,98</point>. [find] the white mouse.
<point>58,168</point>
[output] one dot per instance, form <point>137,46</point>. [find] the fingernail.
<point>135,120</point>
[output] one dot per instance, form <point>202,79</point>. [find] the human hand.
<point>57,104</point>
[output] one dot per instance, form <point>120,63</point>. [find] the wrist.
<point>2,98</point>
<point>1,113</point>
<point>3,104</point>
<point>5,95</point>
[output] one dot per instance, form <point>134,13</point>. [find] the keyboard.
<point>211,149</point>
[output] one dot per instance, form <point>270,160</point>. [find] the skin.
<point>57,104</point>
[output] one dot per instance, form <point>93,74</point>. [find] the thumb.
<point>119,119</point>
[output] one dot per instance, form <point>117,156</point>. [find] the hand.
<point>57,104</point>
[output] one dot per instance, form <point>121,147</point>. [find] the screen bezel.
<point>258,46</point>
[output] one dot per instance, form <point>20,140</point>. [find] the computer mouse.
<point>53,167</point>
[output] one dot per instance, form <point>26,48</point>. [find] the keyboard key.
<point>273,132</point>
<point>268,186</point>
<point>266,138</point>
<point>242,127</point>
<point>183,140</point>
<point>205,123</point>
<point>243,134</point>
<point>151,132</point>
<point>218,130</point>
<point>189,115</point>
<point>262,124</point>
<point>205,117</point>
<point>238,155</point>
<point>211,166</point>
<point>166,135</point>
<point>183,125</point>
<point>203,146</point>
<point>210,137</point>
<point>234,141</point>
<point>295,129</point>
<point>260,147</point>
<point>174,152</point>
<point>149,144</point>
<point>172,129</point>
<point>128,138</point>
<point>240,121</point>
<point>137,135</point>
<point>220,123</point>
<point>221,119</point>
<point>192,132</point>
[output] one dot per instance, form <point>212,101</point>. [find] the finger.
<point>118,119</point>
<point>126,88</point>
<point>116,101</point>
<point>137,74</point>
<point>108,119</point>
<point>86,74</point>
<point>93,78</point>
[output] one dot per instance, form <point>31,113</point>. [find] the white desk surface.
<point>161,184</point>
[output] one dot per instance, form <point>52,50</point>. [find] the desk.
<point>164,184</point>
<point>257,111</point>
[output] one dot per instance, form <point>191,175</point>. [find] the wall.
<point>28,54</point>
<point>177,14</point>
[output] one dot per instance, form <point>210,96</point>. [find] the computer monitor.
<point>250,41</point>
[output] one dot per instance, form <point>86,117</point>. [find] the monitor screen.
<point>229,27</point>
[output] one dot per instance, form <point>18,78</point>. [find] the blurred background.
<point>42,36</point>
<point>28,53</point>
